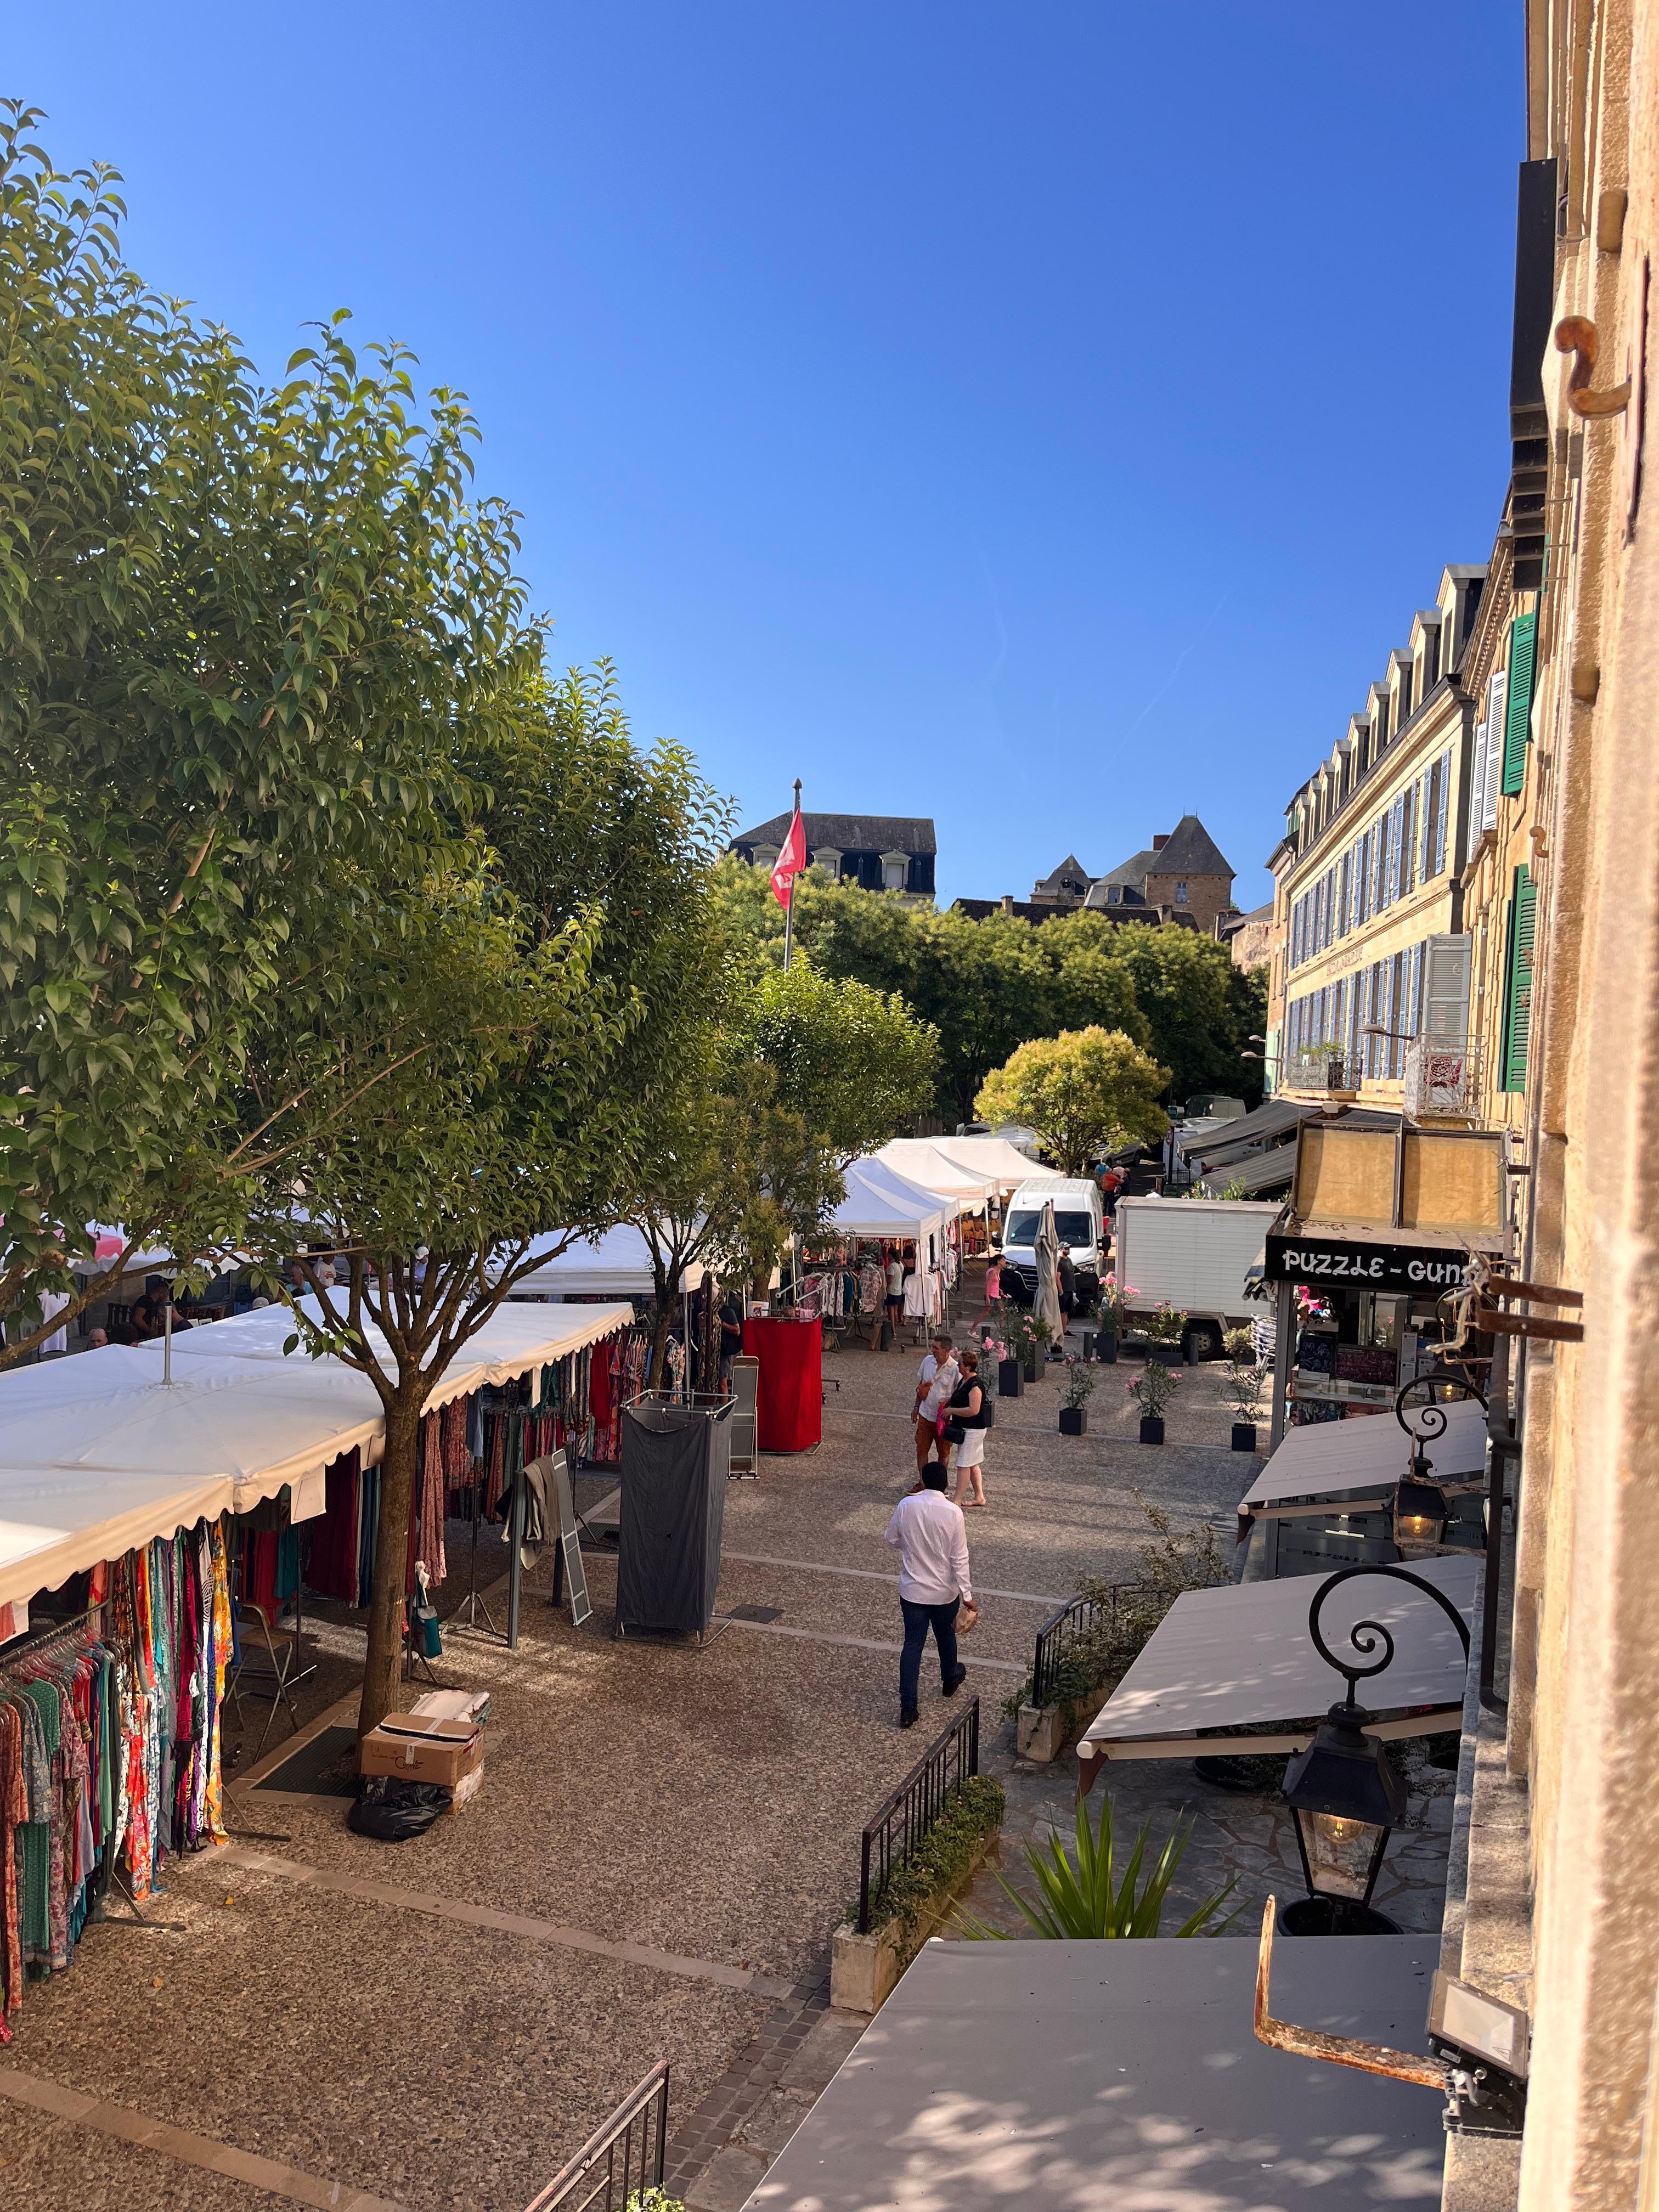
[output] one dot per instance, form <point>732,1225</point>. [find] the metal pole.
<point>515,1538</point>
<point>166,1342</point>
<point>1284,1330</point>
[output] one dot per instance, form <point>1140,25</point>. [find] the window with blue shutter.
<point>1517,979</point>
<point>1517,727</point>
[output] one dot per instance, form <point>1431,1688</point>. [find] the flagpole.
<point>789,911</point>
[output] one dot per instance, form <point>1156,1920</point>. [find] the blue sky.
<point>1042,418</point>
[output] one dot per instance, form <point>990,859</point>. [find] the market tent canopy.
<point>1337,1459</point>
<point>876,1171</point>
<point>883,1206</point>
<point>1006,1165</point>
<point>616,1265</point>
<point>922,1162</point>
<point>1241,1656</point>
<point>99,1454</point>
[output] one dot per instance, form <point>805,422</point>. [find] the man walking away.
<point>936,1377</point>
<point>1066,1274</point>
<point>931,1538</point>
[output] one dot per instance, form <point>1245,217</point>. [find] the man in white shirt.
<point>931,1538</point>
<point>936,1377</point>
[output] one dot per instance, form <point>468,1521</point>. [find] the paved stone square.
<point>665,1839</point>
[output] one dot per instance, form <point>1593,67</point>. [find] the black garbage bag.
<point>394,1811</point>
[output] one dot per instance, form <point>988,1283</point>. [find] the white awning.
<point>995,1156</point>
<point>616,1264</point>
<point>1341,1459</point>
<point>98,1454</point>
<point>879,1203</point>
<point>1241,1656</point>
<point>924,1161</point>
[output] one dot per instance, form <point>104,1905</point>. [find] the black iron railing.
<point>620,2159</point>
<point>907,1814</point>
<point>1084,1619</point>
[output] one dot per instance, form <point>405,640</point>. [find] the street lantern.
<point>1345,1798</point>
<point>1420,1517</point>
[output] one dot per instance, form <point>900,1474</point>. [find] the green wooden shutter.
<point>1517,980</point>
<point>1517,729</point>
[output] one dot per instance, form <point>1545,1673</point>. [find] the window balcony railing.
<point>1324,1068</point>
<point>1443,1079</point>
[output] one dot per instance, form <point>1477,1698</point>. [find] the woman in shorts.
<point>968,1406</point>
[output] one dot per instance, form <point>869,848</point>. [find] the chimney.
<point>1007,901</point>
<point>1158,843</point>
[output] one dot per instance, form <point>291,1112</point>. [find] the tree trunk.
<point>381,1687</point>
<point>656,1377</point>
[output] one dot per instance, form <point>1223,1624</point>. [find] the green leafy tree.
<point>1084,1092</point>
<point>238,630</point>
<point>537,1002</point>
<point>1201,1009</point>
<point>853,1062</point>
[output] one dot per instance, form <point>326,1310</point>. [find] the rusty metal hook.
<point>1576,335</point>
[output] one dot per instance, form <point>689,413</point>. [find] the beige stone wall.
<point>1584,1713</point>
<point>1207,898</point>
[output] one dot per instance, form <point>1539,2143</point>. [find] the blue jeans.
<point>918,1619</point>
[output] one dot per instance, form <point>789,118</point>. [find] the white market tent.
<point>614,1265</point>
<point>1241,1655</point>
<point>1344,1459</point>
<point>881,1203</point>
<point>98,1454</point>
<point>1006,1164</point>
<point>919,1160</point>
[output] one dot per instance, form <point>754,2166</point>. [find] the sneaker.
<point>908,1718</point>
<point>956,1682</point>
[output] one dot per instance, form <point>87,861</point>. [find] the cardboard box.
<point>419,1748</point>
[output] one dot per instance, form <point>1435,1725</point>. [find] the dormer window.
<point>894,871</point>
<point>827,859</point>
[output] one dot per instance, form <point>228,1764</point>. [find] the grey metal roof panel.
<point>1053,2077</point>
<point>850,832</point>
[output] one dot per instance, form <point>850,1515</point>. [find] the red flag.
<point>790,862</point>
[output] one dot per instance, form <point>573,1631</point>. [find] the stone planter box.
<point>1010,1380</point>
<point>1243,1435</point>
<point>865,1970</point>
<point>1074,1421</point>
<point>1165,1355</point>
<point>1042,1732</point>
<point>1106,1347</point>
<point>1152,1428</point>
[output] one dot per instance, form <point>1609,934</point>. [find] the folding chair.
<point>267,1665</point>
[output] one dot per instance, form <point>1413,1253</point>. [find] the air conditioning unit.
<point>1443,1079</point>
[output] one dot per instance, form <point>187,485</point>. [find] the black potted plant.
<point>1163,1328</point>
<point>1011,1380</point>
<point>1243,1387</point>
<point>1114,1311</point>
<point>1075,1406</point>
<point>1152,1389</point>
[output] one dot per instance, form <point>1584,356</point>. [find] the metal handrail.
<point>920,1798</point>
<point>1074,1620</point>
<point>619,2129</point>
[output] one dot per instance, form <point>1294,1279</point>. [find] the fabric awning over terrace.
<point>98,1454</point>
<point>1342,1459</point>
<point>1241,1656</point>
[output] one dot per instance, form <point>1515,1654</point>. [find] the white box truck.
<point>1196,1254</point>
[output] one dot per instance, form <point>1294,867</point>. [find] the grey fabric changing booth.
<point>675,1461</point>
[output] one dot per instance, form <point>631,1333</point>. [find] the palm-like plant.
<point>1090,1899</point>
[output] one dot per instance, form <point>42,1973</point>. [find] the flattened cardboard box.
<point>415,1747</point>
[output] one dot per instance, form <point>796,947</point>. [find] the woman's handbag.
<point>953,1432</point>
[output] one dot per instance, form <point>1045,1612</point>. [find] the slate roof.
<point>848,833</point>
<point>1131,874</point>
<point>1190,851</point>
<point>1071,870</point>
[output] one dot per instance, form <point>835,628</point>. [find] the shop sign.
<point>1328,1260</point>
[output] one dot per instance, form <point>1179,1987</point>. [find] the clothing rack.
<point>38,1639</point>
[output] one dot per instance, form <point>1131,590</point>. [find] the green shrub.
<point>939,1861</point>
<point>653,2200</point>
<point>1087,1899</point>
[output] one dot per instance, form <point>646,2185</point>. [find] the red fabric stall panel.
<point>789,1402</point>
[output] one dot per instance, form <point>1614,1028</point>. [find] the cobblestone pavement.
<point>665,1840</point>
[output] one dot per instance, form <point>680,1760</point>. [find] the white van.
<point>1078,1223</point>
